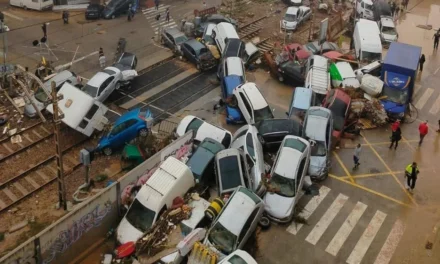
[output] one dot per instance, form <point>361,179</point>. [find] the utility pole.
<point>4,50</point>
<point>59,155</point>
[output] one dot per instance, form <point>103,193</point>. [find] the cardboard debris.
<point>19,101</point>
<point>16,139</point>
<point>369,110</point>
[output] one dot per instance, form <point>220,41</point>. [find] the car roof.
<point>342,96</point>
<point>345,69</point>
<point>302,97</point>
<point>129,115</point>
<point>387,22</point>
<point>287,161</point>
<point>231,82</point>
<point>319,61</point>
<point>174,32</point>
<point>269,126</point>
<point>254,94</point>
<point>195,44</point>
<point>304,8</point>
<point>98,79</point>
<point>293,10</point>
<point>235,66</point>
<point>316,127</point>
<point>240,206</point>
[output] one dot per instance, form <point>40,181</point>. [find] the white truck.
<point>33,4</point>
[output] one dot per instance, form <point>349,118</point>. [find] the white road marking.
<point>60,67</point>
<point>435,73</point>
<point>366,239</point>
<point>153,13</point>
<point>435,107</point>
<point>346,228</point>
<point>153,9</point>
<point>311,206</point>
<point>422,100</point>
<point>161,23</point>
<point>391,243</point>
<point>326,219</point>
<point>12,16</point>
<point>417,88</point>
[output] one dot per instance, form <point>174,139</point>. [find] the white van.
<point>365,9</point>
<point>347,74</point>
<point>222,33</point>
<point>81,112</point>
<point>367,42</point>
<point>317,76</point>
<point>33,4</point>
<point>172,179</point>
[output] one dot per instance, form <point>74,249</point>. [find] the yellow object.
<point>43,61</point>
<point>214,208</point>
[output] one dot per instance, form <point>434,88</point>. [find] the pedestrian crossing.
<point>151,14</point>
<point>364,239</point>
<point>428,99</point>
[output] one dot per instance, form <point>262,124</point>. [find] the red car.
<point>338,102</point>
<point>300,53</point>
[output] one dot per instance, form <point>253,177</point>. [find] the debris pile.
<point>371,110</point>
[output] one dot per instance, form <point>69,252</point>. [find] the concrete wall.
<point>78,230</point>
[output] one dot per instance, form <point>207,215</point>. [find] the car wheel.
<point>117,86</point>
<point>199,67</point>
<point>280,78</point>
<point>107,151</point>
<point>113,16</point>
<point>264,223</point>
<point>143,132</point>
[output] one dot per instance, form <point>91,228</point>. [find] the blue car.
<point>233,114</point>
<point>126,128</point>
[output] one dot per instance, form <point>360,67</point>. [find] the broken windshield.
<point>389,30</point>
<point>222,238</point>
<point>283,186</point>
<point>140,216</point>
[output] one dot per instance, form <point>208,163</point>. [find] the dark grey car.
<point>173,39</point>
<point>201,162</point>
<point>198,54</point>
<point>272,131</point>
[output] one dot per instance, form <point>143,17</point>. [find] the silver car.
<point>318,127</point>
<point>231,170</point>
<point>294,17</point>
<point>173,38</point>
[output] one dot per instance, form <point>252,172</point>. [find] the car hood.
<point>234,114</point>
<point>126,232</point>
<point>393,107</point>
<point>389,37</point>
<point>317,165</point>
<point>278,206</point>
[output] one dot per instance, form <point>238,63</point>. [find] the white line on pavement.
<point>435,73</point>
<point>308,210</point>
<point>346,228</point>
<point>391,243</point>
<point>367,237</point>
<point>435,107</point>
<point>13,16</point>
<point>422,101</point>
<point>326,219</point>
<point>154,11</point>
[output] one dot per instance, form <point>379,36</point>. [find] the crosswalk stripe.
<point>367,237</point>
<point>153,9</point>
<point>391,243</point>
<point>153,16</point>
<point>326,219</point>
<point>435,107</point>
<point>311,206</point>
<point>158,23</point>
<point>422,100</point>
<point>346,228</point>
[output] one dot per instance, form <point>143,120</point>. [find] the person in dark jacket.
<point>396,136</point>
<point>421,61</point>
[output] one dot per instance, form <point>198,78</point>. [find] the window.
<point>295,144</point>
<point>222,238</point>
<point>194,125</point>
<point>236,259</point>
<point>83,124</point>
<point>92,111</point>
<point>262,114</point>
<point>300,172</point>
<point>140,216</point>
<point>249,161</point>
<point>247,225</point>
<point>118,129</point>
<point>283,186</point>
<point>246,104</point>
<point>230,172</point>
<point>35,1</point>
<point>250,145</point>
<point>226,140</point>
<point>226,69</point>
<point>130,122</point>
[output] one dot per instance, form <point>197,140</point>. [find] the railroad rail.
<point>36,177</point>
<point>4,139</point>
<point>251,29</point>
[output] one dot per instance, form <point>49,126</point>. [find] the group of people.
<point>167,11</point>
<point>397,8</point>
<point>412,170</point>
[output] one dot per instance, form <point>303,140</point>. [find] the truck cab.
<point>388,31</point>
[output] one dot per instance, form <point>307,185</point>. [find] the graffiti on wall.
<point>76,230</point>
<point>181,149</point>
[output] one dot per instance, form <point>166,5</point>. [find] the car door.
<point>247,229</point>
<point>105,89</point>
<point>116,137</point>
<point>131,128</point>
<point>170,41</point>
<point>245,108</point>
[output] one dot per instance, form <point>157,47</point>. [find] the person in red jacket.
<point>423,131</point>
<point>395,125</point>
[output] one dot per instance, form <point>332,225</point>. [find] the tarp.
<point>396,81</point>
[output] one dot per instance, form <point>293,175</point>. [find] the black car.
<point>198,54</point>
<point>115,8</point>
<point>127,61</point>
<point>234,48</point>
<point>94,11</point>
<point>291,72</point>
<point>272,131</point>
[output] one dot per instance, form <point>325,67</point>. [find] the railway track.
<point>251,30</point>
<point>35,178</point>
<point>30,137</point>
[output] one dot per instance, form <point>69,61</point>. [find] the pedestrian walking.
<point>436,38</point>
<point>411,172</point>
<point>156,3</point>
<point>129,13</point>
<point>405,4</point>
<point>101,52</point>
<point>101,58</point>
<point>395,125</point>
<point>66,17</point>
<point>393,9</point>
<point>423,131</point>
<point>421,61</point>
<point>356,156</point>
<point>396,136</point>
<point>167,15</point>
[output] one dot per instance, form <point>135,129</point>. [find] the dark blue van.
<point>233,114</point>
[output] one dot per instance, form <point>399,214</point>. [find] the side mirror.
<point>287,114</point>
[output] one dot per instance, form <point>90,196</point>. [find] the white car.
<point>239,257</point>
<point>112,78</point>
<point>294,17</point>
<point>287,178</point>
<point>247,139</point>
<point>318,127</point>
<point>42,93</point>
<point>235,223</point>
<point>252,104</point>
<point>203,130</point>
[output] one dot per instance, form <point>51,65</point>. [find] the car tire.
<point>199,67</point>
<point>264,223</point>
<point>280,78</point>
<point>107,151</point>
<point>117,86</point>
<point>113,16</point>
<point>143,132</point>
